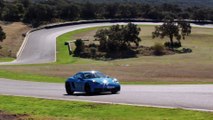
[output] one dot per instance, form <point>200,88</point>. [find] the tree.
<point>185,28</point>
<point>2,34</point>
<point>102,36</point>
<point>110,10</point>
<point>131,34</point>
<point>127,11</point>
<point>1,3</point>
<point>172,29</point>
<point>79,43</point>
<point>26,3</point>
<point>118,37</point>
<point>70,12</point>
<point>154,14</point>
<point>199,14</point>
<point>144,9</point>
<point>38,13</point>
<point>1,7</point>
<point>88,11</point>
<point>11,13</point>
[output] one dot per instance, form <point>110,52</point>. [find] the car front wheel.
<point>68,88</point>
<point>114,91</point>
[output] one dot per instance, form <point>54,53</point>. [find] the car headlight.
<point>105,82</point>
<point>115,80</point>
<point>96,83</point>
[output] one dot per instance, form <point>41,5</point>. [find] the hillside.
<point>208,3</point>
<point>14,38</point>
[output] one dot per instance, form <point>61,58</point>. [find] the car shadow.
<point>93,94</point>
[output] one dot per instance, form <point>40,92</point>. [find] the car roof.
<point>92,71</point>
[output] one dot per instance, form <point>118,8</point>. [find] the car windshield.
<point>94,75</point>
<point>99,75</point>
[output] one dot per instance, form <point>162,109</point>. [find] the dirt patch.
<point>14,38</point>
<point>7,116</point>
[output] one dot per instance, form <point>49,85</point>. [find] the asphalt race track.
<point>195,97</point>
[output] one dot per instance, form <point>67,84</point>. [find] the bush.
<point>186,50</point>
<point>175,45</point>
<point>93,45</point>
<point>112,46</point>
<point>118,37</point>
<point>79,43</point>
<point>2,34</point>
<point>158,49</point>
<point>93,52</point>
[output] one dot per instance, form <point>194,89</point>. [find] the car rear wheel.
<point>87,88</point>
<point>68,88</point>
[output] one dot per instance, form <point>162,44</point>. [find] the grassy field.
<point>29,77</point>
<point>67,110</point>
<point>6,59</point>
<point>192,68</point>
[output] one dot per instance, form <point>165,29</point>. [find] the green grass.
<point>29,77</point>
<point>6,59</point>
<point>55,109</point>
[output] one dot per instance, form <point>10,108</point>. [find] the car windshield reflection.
<point>94,75</point>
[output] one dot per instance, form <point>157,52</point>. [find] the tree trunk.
<point>171,41</point>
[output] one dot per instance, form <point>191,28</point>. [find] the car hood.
<point>103,80</point>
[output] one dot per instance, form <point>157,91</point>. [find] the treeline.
<point>48,11</point>
<point>185,3</point>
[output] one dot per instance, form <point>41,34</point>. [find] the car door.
<point>79,82</point>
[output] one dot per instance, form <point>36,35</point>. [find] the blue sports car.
<point>91,82</point>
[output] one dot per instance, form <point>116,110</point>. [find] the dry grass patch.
<point>14,38</point>
<point>141,72</point>
<point>7,116</point>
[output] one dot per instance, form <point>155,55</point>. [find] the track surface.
<point>197,97</point>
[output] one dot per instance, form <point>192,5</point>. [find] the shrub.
<point>93,52</point>
<point>112,46</point>
<point>2,34</point>
<point>175,44</point>
<point>93,45</point>
<point>79,43</point>
<point>158,49</point>
<point>118,37</point>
